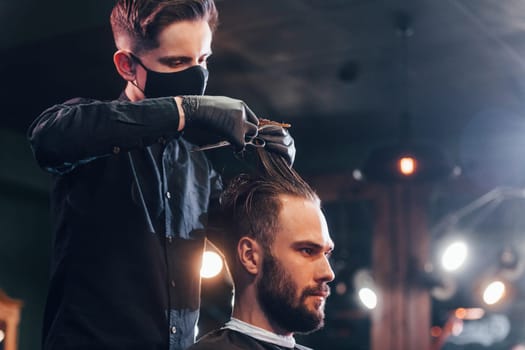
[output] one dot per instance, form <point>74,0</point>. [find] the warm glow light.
<point>436,331</point>
<point>211,264</point>
<point>407,165</point>
<point>472,313</point>
<point>454,256</point>
<point>368,297</point>
<point>460,313</point>
<point>457,328</point>
<point>494,292</point>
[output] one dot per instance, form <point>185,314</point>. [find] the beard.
<point>276,292</point>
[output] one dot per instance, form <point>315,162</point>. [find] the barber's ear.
<point>250,255</point>
<point>125,65</point>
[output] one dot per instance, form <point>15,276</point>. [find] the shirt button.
<point>168,195</point>
<point>173,283</point>
<point>170,239</point>
<point>173,330</point>
<point>116,150</point>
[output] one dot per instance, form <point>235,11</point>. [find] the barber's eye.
<point>176,63</point>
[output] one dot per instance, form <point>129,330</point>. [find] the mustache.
<point>324,288</point>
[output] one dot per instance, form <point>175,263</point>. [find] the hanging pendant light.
<point>406,160</point>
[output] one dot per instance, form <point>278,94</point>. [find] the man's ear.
<point>125,65</point>
<point>250,255</point>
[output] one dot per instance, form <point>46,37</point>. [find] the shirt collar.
<point>288,341</point>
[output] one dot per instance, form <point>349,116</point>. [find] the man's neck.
<point>247,309</point>
<point>250,330</point>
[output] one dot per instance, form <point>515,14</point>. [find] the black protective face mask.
<point>191,81</point>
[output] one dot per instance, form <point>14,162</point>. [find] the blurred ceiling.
<point>343,72</point>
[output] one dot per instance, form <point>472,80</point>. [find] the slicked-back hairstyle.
<point>139,22</point>
<point>250,204</point>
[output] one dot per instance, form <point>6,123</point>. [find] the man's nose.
<point>326,274</point>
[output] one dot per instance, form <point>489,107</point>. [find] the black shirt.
<point>129,201</point>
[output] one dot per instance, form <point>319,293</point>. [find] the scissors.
<point>252,141</point>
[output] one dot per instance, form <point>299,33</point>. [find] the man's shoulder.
<point>229,339</point>
<point>225,339</point>
<point>217,339</point>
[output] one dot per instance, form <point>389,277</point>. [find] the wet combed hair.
<point>141,21</point>
<point>250,204</point>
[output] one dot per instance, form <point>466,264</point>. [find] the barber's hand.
<point>229,117</point>
<point>278,140</point>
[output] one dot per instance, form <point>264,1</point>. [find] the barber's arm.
<point>78,131</point>
<point>81,130</point>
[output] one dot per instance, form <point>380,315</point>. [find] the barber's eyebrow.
<point>172,59</point>
<point>168,60</point>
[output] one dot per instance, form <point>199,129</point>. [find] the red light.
<point>436,331</point>
<point>407,165</point>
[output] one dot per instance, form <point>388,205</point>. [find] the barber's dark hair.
<point>250,204</point>
<point>141,21</point>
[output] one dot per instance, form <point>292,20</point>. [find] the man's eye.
<point>307,251</point>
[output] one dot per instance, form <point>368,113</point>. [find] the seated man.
<point>276,243</point>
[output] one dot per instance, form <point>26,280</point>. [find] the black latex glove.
<point>278,140</point>
<point>229,117</point>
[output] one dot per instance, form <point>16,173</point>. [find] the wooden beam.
<point>400,249</point>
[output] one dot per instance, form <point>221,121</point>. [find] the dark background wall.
<point>25,233</point>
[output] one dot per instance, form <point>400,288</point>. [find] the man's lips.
<point>324,293</point>
<point>321,291</point>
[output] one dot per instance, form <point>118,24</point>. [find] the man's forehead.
<point>301,219</point>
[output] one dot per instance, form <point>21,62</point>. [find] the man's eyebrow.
<point>311,244</point>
